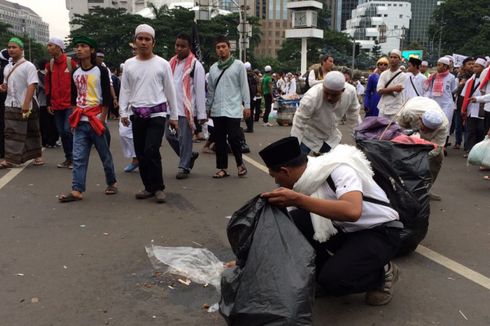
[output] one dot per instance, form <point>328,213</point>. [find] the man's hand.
<point>398,88</point>
<point>115,103</point>
<point>125,121</point>
<point>282,197</point>
<point>246,113</point>
<point>3,88</point>
<point>174,124</point>
<point>50,110</point>
<point>25,108</point>
<point>473,99</point>
<point>202,121</point>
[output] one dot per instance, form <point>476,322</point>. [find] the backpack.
<point>68,64</point>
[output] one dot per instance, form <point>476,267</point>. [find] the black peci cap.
<point>281,151</point>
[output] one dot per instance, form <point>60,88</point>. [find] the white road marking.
<point>448,263</point>
<point>12,173</point>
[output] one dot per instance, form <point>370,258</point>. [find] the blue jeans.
<point>63,126</point>
<point>83,139</point>
<point>458,127</point>
<point>181,142</point>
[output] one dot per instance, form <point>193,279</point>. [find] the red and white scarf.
<point>188,66</point>
<point>438,86</point>
<point>485,80</point>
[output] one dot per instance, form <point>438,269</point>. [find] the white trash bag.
<point>197,264</point>
<point>480,153</point>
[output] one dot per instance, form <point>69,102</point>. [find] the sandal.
<point>111,190</point>
<point>5,165</point>
<point>486,177</point>
<point>38,162</point>
<point>68,198</point>
<point>484,168</point>
<point>221,174</point>
<point>242,171</point>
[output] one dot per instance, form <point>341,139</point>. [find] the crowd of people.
<point>355,239</point>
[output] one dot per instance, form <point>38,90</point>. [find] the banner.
<point>407,54</point>
<point>458,59</point>
<point>196,46</point>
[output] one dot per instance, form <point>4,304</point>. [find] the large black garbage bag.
<point>273,282</point>
<point>405,168</point>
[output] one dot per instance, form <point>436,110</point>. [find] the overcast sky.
<point>53,12</point>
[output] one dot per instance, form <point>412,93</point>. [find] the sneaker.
<point>194,157</point>
<point>160,196</point>
<point>384,294</point>
<point>130,167</point>
<point>433,196</point>
<point>143,194</point>
<point>182,174</point>
<point>67,164</point>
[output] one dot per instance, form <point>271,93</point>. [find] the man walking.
<point>227,90</point>
<point>58,95</point>
<point>267,84</point>
<point>147,89</point>
<point>189,81</point>
<point>390,86</point>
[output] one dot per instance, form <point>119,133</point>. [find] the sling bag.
<point>414,88</point>
<point>389,81</point>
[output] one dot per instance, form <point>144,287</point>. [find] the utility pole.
<point>353,54</point>
<point>245,31</point>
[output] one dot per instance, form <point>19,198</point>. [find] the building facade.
<point>385,22</point>
<point>24,21</point>
<point>422,11</point>
<point>82,7</point>
<point>274,20</point>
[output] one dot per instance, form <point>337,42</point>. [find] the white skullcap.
<point>481,62</point>
<point>248,65</point>
<point>444,60</point>
<point>121,66</point>
<point>432,119</point>
<point>267,68</point>
<point>424,63</point>
<point>334,81</point>
<point>58,42</point>
<point>100,55</point>
<point>144,28</point>
<point>397,52</point>
<point>450,57</point>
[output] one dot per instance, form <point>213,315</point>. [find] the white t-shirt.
<point>147,83</point>
<point>23,76</point>
<point>347,180</point>
<point>413,83</point>
<point>390,104</point>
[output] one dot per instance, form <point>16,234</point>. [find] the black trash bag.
<point>402,170</point>
<point>273,282</point>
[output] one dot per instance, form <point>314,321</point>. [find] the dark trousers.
<point>457,125</point>
<point>268,105</point>
<point>147,138</point>
<point>256,110</point>
<point>435,164</point>
<point>359,257</point>
<point>2,127</point>
<point>49,132</point>
<point>487,122</point>
<point>250,123</point>
<point>227,129</point>
<point>64,130</point>
<point>475,127</point>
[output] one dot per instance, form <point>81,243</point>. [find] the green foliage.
<point>33,51</point>
<point>464,26</point>
<point>113,29</point>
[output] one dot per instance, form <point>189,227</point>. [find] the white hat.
<point>397,52</point>
<point>481,62</point>
<point>267,68</point>
<point>144,28</point>
<point>445,61</point>
<point>100,55</point>
<point>488,59</point>
<point>334,81</point>
<point>432,119</point>
<point>248,65</point>
<point>58,42</point>
<point>121,66</point>
<point>424,63</point>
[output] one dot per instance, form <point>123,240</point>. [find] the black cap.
<point>415,61</point>
<point>281,151</point>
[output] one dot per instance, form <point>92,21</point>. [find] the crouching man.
<point>343,213</point>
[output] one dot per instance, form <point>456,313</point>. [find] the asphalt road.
<point>85,263</point>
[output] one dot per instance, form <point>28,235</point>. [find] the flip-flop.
<point>111,190</point>
<point>4,166</point>
<point>68,198</point>
<point>486,177</point>
<point>38,162</point>
<point>242,171</point>
<point>484,168</point>
<point>221,174</point>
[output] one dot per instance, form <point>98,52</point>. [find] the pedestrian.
<point>227,90</point>
<point>426,117</point>
<point>330,193</point>
<point>371,98</point>
<point>189,81</point>
<point>147,89</point>
<point>390,86</point>
<point>252,86</point>
<point>257,99</point>
<point>465,73</point>
<point>440,87</point>
<point>424,69</point>
<point>267,85</point>
<point>22,135</point>
<point>91,98</point>
<point>414,85</point>
<point>4,60</point>
<point>291,85</point>
<point>484,98</point>
<point>315,76</point>
<point>315,123</point>
<point>49,133</point>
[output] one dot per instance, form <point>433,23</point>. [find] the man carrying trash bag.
<point>354,231</point>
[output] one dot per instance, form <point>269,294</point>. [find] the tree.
<point>464,27</point>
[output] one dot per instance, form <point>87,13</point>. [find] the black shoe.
<point>143,194</point>
<point>182,174</point>
<point>194,157</point>
<point>248,131</point>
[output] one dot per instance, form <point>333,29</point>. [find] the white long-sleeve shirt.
<point>485,91</point>
<point>197,87</point>
<point>414,86</point>
<point>316,120</point>
<point>146,83</point>
<point>473,108</point>
<point>390,104</point>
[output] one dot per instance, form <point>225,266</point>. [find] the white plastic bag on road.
<point>480,153</point>
<point>197,264</point>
